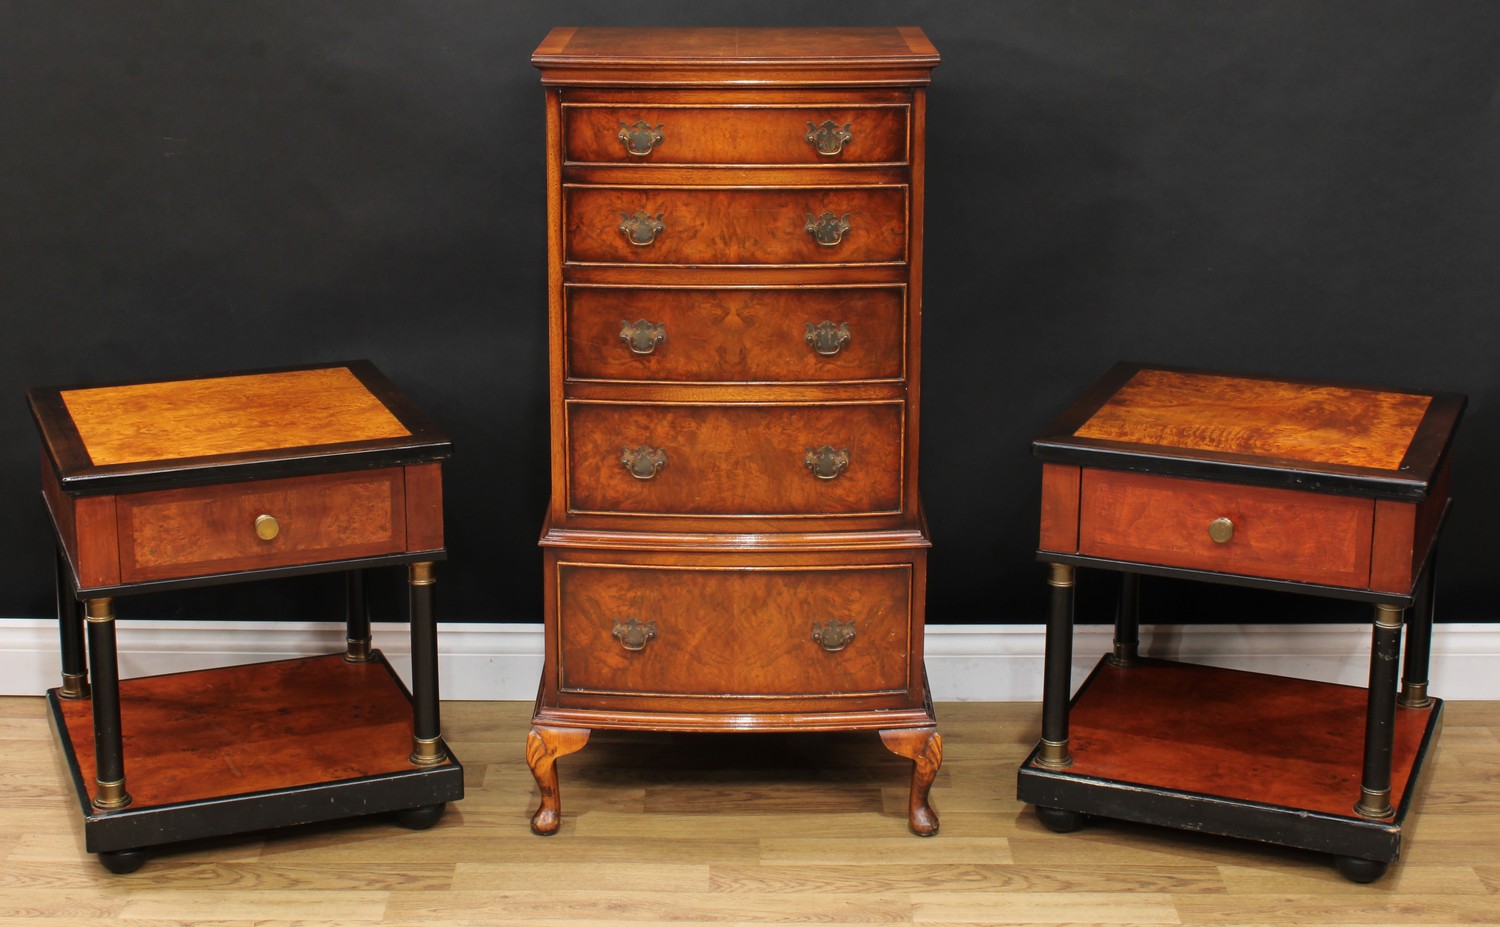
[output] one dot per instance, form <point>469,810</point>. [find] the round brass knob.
<point>1221,530</point>
<point>267,527</point>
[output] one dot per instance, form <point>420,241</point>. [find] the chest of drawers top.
<point>685,57</point>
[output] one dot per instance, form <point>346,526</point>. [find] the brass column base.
<point>1374,803</point>
<point>1414,695</point>
<point>111,796</point>
<point>1124,655</point>
<point>1054,755</point>
<point>426,751</point>
<point>74,686</point>
<point>358,651</point>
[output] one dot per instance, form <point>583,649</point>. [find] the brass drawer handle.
<point>833,635</point>
<point>641,138</point>
<point>1221,530</point>
<point>828,138</point>
<point>633,635</point>
<point>642,336</point>
<point>267,527</point>
<point>642,228</point>
<point>828,229</point>
<point>827,338</point>
<point>643,462</point>
<point>826,462</point>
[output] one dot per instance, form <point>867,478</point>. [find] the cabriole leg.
<point>544,747</point>
<point>924,747</point>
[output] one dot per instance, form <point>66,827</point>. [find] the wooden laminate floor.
<point>729,830</point>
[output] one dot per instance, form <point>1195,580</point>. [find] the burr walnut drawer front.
<point>814,134</point>
<point>1228,528</point>
<point>742,459</point>
<point>729,226</point>
<point>201,530</point>
<point>739,334</point>
<point>646,630</point>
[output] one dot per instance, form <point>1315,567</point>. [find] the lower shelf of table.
<point>253,747</point>
<point>1233,753</point>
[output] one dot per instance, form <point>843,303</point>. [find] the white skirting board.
<point>993,663</point>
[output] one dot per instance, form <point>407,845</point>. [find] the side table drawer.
<point>1265,532</point>
<point>637,630</point>
<point>203,530</point>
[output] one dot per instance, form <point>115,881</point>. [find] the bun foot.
<point>1060,821</point>
<point>1360,870</point>
<point>422,817</point>
<point>122,861</point>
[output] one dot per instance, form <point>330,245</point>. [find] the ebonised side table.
<point>1324,489</point>
<point>166,485</point>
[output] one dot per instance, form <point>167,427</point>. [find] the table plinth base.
<point>253,747</point>
<point>1232,753</point>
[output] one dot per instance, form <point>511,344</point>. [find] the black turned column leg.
<point>1127,622</point>
<point>1419,641</point>
<point>1057,683</point>
<point>357,618</point>
<point>109,748</point>
<point>75,666</point>
<point>1380,719</point>
<point>427,740</point>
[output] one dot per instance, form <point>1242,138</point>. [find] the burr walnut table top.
<point>1297,434</point>
<point>141,435</point>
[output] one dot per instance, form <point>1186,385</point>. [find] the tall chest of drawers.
<point>734,540</point>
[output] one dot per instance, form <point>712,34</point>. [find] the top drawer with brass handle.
<point>747,135</point>
<point>202,530</point>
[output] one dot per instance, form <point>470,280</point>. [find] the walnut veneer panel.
<point>227,415</point>
<point>1261,418</point>
<point>197,531</point>
<point>710,134</point>
<point>711,225</point>
<point>741,631</point>
<point>735,459</point>
<point>737,334</point>
<point>1278,533</point>
<point>231,731</point>
<point>1210,731</point>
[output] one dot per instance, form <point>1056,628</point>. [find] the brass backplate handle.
<point>828,138</point>
<point>642,336</point>
<point>642,228</point>
<point>643,462</point>
<point>826,462</point>
<point>632,634</point>
<point>267,527</point>
<point>833,635</point>
<point>827,338</point>
<point>1221,530</point>
<point>640,139</point>
<point>828,229</point>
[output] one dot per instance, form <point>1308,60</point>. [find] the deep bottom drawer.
<point>636,630</point>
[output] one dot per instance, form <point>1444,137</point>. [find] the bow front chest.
<point>734,540</point>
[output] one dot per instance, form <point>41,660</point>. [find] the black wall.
<point>1306,189</point>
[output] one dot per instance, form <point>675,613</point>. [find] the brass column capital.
<point>421,574</point>
<point>1061,576</point>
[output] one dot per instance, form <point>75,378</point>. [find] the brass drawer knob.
<point>827,338</point>
<point>643,462</point>
<point>826,462</point>
<point>642,336</point>
<point>632,634</point>
<point>828,138</point>
<point>267,527</point>
<point>1221,530</point>
<point>642,228</point>
<point>641,138</point>
<point>833,635</point>
<point>828,229</point>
